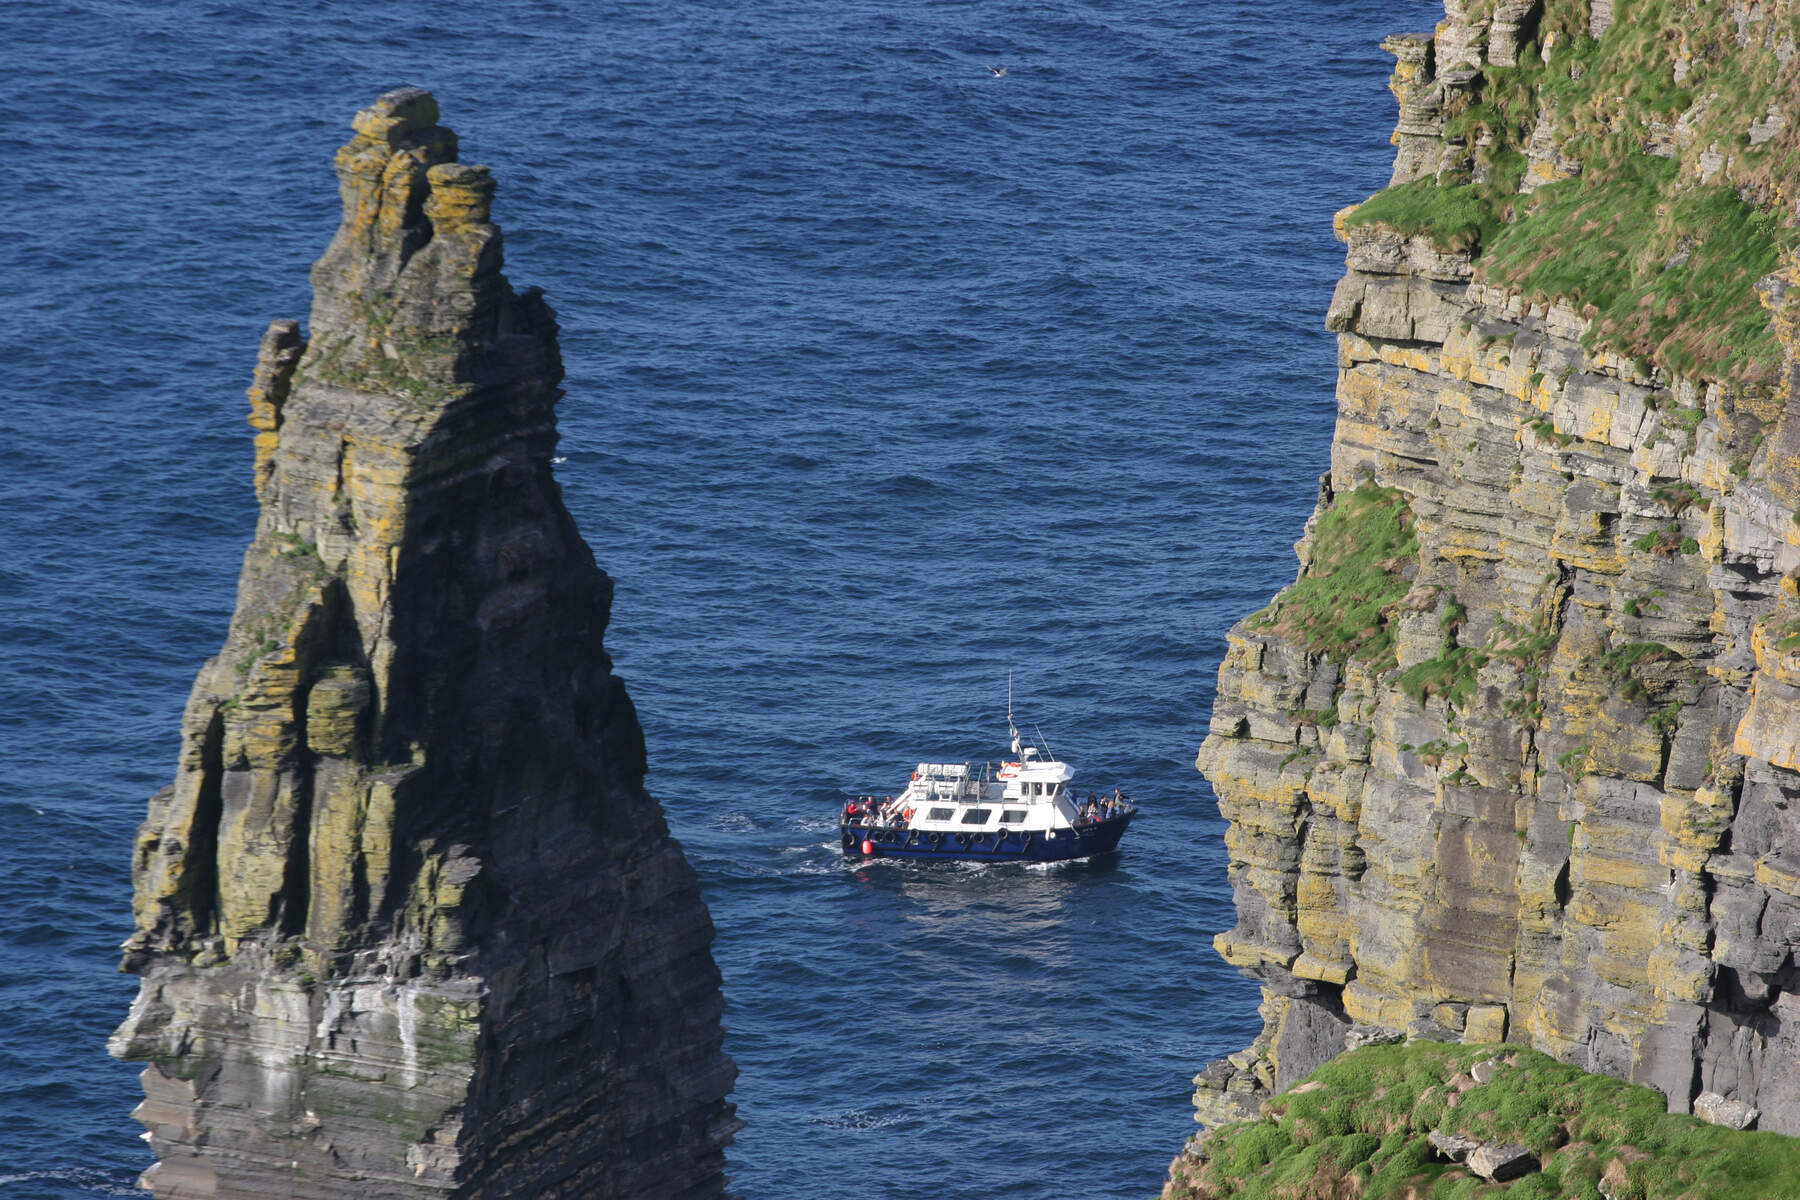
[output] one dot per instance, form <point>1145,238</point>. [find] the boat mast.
<point>1010,727</point>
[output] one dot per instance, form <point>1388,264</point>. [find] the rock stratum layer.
<point>407,922</point>
<point>1517,757</point>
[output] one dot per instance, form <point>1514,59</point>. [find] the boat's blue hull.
<point>1080,842</point>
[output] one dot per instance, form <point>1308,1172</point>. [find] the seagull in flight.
<point>999,72</point>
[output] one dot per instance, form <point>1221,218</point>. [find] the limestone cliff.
<point>408,923</point>
<point>1518,754</point>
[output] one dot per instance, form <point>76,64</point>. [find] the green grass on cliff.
<point>1450,675</point>
<point>1362,546</point>
<point>1361,1131</point>
<point>1459,218</point>
<point>1663,253</point>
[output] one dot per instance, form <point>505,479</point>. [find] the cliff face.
<point>1518,754</point>
<point>408,923</point>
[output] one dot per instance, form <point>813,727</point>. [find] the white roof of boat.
<point>943,770</point>
<point>1036,769</point>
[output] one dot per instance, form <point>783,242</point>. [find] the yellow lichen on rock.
<point>1485,1024</point>
<point>460,195</point>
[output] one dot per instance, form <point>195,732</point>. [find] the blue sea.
<point>887,377</point>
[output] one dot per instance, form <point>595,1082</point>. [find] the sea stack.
<point>407,922</point>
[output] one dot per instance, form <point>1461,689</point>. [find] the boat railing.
<point>864,811</point>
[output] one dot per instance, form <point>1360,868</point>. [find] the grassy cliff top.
<point>1649,175</point>
<point>1359,1126</point>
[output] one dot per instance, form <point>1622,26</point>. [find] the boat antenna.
<point>1010,727</point>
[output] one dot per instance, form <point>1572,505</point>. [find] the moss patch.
<point>1457,218</point>
<point>1450,675</point>
<point>1361,1131</point>
<point>1362,549</point>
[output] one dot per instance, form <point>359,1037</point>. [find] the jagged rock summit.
<point>408,923</point>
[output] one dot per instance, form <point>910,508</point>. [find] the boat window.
<point>942,814</point>
<point>976,816</point>
<point>1012,816</point>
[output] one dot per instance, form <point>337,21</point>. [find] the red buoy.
<point>868,846</point>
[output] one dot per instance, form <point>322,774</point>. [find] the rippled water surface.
<point>887,376</point>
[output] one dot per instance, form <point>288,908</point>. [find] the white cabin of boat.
<point>1029,794</point>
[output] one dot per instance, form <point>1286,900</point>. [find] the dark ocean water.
<point>886,377</point>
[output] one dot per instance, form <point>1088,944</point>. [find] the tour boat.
<point>1029,810</point>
